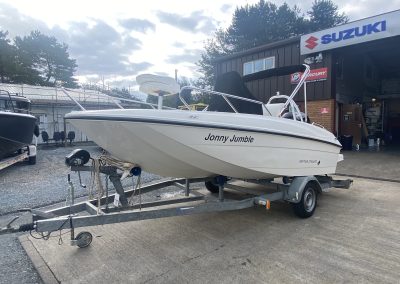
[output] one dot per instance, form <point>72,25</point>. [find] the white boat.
<point>189,144</point>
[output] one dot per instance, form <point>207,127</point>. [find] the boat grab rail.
<point>289,99</point>
<point>224,95</point>
<point>293,106</point>
<point>115,100</point>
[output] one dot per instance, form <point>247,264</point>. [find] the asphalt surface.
<point>36,186</point>
<point>353,237</point>
<point>45,184</point>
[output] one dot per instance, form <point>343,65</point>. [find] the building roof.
<point>51,95</point>
<point>258,48</point>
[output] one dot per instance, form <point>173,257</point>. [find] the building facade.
<point>354,85</point>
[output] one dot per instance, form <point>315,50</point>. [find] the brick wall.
<point>314,109</point>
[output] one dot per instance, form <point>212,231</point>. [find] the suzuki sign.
<point>378,27</point>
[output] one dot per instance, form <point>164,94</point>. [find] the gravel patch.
<point>15,265</point>
<point>32,186</point>
<point>40,185</point>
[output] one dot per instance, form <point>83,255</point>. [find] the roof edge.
<point>258,48</point>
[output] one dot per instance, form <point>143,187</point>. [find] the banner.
<point>319,74</point>
<point>373,28</point>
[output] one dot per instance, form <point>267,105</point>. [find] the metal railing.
<point>289,99</point>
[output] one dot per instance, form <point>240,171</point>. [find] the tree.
<point>7,55</point>
<point>262,23</point>
<point>324,14</point>
<point>49,57</point>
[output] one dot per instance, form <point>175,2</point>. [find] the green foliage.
<point>36,59</point>
<point>263,23</point>
<point>49,57</point>
<point>324,14</point>
<point>7,55</point>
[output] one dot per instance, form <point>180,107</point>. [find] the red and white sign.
<point>319,74</point>
<point>324,110</point>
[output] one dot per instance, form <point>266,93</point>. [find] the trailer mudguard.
<point>297,186</point>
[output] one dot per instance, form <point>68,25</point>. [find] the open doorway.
<point>367,89</point>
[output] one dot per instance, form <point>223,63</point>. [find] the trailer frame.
<point>101,211</point>
<point>28,153</point>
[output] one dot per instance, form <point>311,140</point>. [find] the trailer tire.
<point>32,160</point>
<point>211,186</point>
<point>306,207</point>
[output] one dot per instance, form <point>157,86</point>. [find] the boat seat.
<point>273,109</point>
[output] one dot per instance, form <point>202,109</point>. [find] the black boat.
<point>17,126</point>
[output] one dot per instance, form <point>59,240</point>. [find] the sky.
<point>117,40</point>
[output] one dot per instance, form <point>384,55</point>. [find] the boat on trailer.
<point>193,144</point>
<point>17,125</point>
<point>245,141</point>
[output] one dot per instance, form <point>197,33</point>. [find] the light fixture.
<point>373,99</point>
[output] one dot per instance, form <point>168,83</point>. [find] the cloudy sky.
<point>118,40</point>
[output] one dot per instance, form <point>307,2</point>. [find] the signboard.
<point>373,28</point>
<point>324,110</point>
<point>320,74</point>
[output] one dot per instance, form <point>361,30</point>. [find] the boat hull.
<point>16,131</point>
<point>170,146</point>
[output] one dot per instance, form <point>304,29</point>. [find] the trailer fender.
<point>31,150</point>
<point>297,186</point>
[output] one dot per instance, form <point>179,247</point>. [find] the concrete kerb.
<point>40,265</point>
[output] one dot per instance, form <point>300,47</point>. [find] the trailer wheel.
<point>83,239</point>
<point>212,187</point>
<point>32,160</point>
<point>306,207</point>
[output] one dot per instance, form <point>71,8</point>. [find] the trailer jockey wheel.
<point>83,239</point>
<point>306,207</point>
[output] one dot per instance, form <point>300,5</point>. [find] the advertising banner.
<point>319,74</point>
<point>373,28</point>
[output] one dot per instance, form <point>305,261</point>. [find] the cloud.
<point>195,22</point>
<point>137,25</point>
<point>97,47</point>
<point>188,56</point>
<point>225,8</point>
<point>178,44</point>
<point>18,24</point>
<point>100,49</point>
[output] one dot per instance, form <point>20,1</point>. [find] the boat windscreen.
<point>276,72</point>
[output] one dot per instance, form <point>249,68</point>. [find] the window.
<point>247,68</point>
<point>258,65</point>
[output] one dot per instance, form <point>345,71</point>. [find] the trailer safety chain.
<point>47,236</point>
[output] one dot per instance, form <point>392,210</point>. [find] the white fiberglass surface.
<point>176,150</point>
<point>219,119</point>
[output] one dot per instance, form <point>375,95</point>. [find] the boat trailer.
<point>301,192</point>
